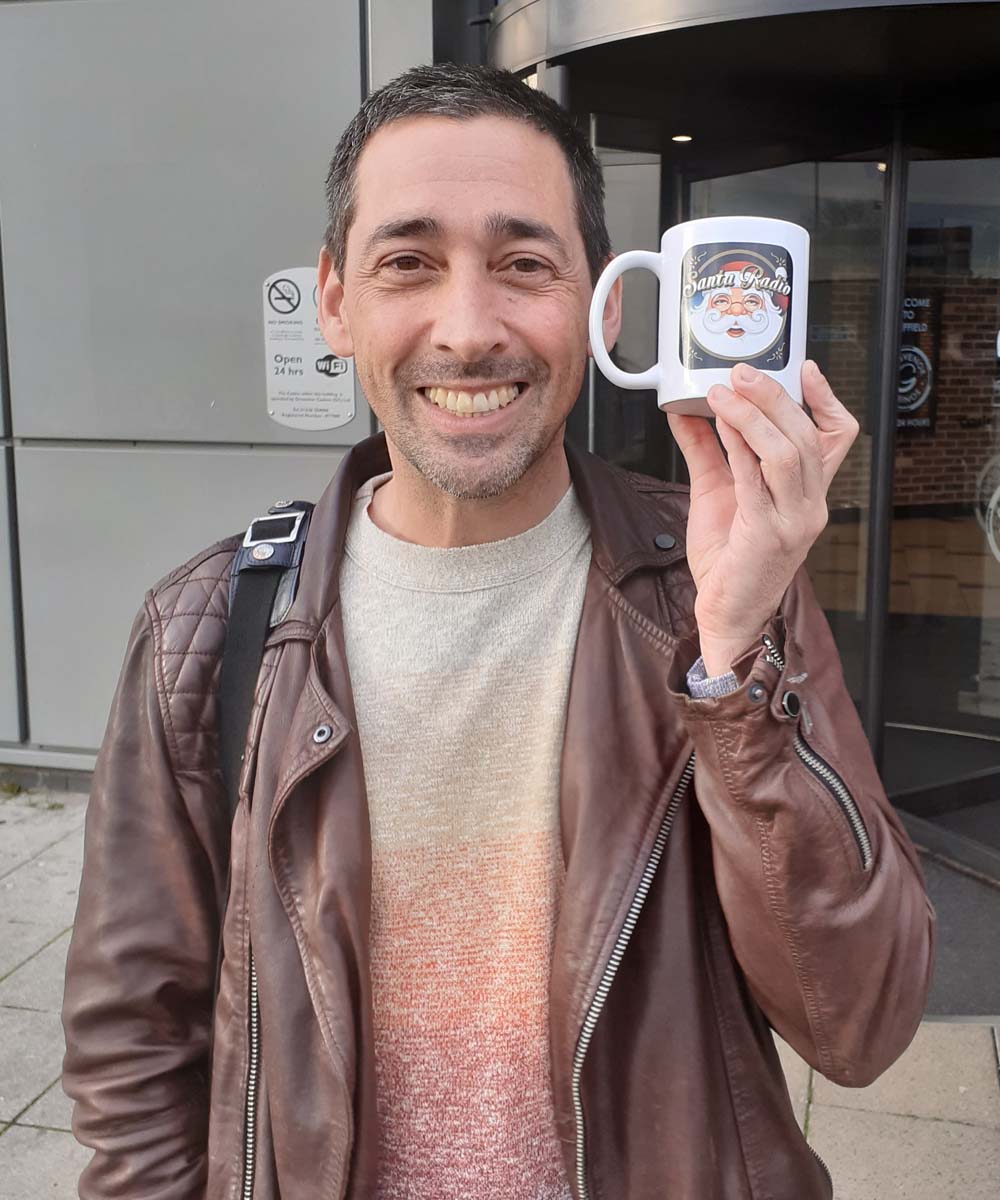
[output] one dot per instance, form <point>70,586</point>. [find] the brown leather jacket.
<point>732,865</point>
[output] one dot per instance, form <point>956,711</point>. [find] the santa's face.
<point>736,323</point>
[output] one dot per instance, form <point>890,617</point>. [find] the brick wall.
<point>932,467</point>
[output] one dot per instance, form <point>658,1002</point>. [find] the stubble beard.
<point>473,466</point>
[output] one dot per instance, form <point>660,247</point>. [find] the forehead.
<point>457,170</point>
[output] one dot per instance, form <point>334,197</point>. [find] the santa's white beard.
<point>759,330</point>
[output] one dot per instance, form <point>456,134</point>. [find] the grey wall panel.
<point>99,526</point>
<point>159,162</point>
<point>9,727</point>
<point>400,35</point>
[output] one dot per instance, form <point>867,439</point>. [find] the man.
<point>512,912</point>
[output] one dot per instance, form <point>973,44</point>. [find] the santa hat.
<point>776,300</point>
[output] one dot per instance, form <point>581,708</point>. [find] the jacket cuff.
<point>757,662</point>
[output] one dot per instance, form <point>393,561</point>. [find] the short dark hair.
<point>461,92</point>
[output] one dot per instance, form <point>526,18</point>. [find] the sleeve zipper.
<point>825,773</point>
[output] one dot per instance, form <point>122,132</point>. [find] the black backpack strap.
<point>261,589</point>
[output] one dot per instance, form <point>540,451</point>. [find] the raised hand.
<point>754,519</point>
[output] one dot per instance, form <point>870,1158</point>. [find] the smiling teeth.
<point>468,404</point>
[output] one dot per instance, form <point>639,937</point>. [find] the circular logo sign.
<point>916,378</point>
<point>263,551</point>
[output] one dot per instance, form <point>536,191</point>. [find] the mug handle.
<point>618,266</point>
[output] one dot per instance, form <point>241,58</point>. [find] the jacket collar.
<point>625,511</point>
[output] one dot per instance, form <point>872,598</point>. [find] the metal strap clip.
<point>250,538</point>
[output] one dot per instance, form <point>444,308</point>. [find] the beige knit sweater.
<point>460,662</point>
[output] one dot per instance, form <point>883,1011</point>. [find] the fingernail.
<point>813,366</point>
<point>747,374</point>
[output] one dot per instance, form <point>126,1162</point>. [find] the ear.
<point>330,311</point>
<point>612,323</point>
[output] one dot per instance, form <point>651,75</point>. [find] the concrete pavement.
<point>928,1129</point>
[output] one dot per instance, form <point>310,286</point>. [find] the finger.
<point>705,461</point>
<point>767,394</point>
<point>780,459</point>
<point>752,494</point>
<point>831,417</point>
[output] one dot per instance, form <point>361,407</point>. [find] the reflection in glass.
<point>943,693</point>
<point>628,428</point>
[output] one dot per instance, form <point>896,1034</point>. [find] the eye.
<point>752,302</point>
<point>526,266</point>
<point>720,301</point>
<point>404,264</point>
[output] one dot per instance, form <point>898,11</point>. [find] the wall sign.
<point>920,330</point>
<point>308,387</point>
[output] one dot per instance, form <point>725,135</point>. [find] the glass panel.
<point>628,428</point>
<point>840,203</point>
<point>943,688</point>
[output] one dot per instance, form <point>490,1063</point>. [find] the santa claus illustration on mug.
<point>735,309</point>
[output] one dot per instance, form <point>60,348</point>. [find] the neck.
<point>412,509</point>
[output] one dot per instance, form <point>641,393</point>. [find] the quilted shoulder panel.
<point>189,608</point>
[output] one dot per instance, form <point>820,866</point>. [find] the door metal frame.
<point>14,566</point>
<point>879,566</point>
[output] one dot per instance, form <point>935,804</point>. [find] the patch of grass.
<point>9,789</point>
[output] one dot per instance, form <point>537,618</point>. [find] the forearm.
<point>822,892</point>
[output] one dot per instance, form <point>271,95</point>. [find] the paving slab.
<point>30,819</point>
<point>948,1072</point>
<point>53,1110</point>
<point>42,890</point>
<point>31,1054</point>
<point>797,1072</point>
<point>40,1163</point>
<point>69,849</point>
<point>21,940</point>
<point>880,1156</point>
<point>21,844</point>
<point>38,983</point>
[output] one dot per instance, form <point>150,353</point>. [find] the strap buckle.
<point>296,516</point>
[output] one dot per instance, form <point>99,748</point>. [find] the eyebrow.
<point>501,225</point>
<point>497,225</point>
<point>404,227</point>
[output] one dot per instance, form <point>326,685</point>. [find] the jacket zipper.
<point>249,1143</point>
<point>825,773</point>
<point>826,1169</point>
<point>608,975</point>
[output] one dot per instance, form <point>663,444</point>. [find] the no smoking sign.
<point>307,386</point>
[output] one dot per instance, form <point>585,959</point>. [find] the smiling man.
<point>553,801</point>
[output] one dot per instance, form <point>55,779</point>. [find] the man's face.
<point>465,274</point>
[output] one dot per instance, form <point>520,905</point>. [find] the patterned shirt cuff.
<point>702,687</point>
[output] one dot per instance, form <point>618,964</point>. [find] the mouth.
<point>478,403</point>
<point>735,332</point>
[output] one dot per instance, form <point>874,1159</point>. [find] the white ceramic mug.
<point>732,289</point>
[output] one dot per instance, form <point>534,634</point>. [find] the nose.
<point>738,309</point>
<point>468,319</point>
